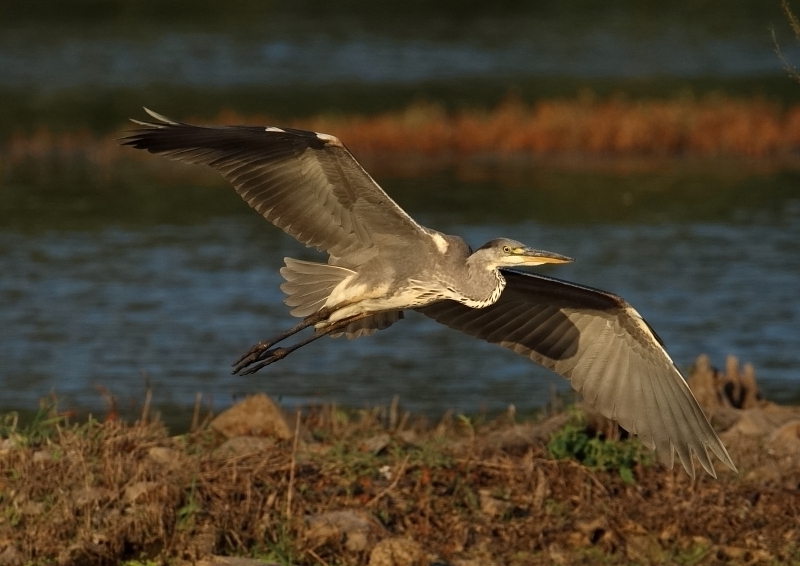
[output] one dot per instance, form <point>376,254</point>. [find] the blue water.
<point>110,303</point>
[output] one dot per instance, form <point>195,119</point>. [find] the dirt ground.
<point>383,488</point>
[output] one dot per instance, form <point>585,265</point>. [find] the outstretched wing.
<point>606,350</point>
<point>307,184</point>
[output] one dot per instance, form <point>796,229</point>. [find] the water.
<point>120,279</point>
<point>106,277</point>
<point>122,46</point>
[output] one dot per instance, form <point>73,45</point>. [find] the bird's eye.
<point>506,249</point>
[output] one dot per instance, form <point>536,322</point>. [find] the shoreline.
<point>382,487</point>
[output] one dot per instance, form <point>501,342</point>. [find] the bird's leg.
<point>268,357</point>
<point>252,354</point>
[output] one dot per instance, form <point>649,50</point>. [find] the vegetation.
<point>573,440</point>
<point>714,125</point>
<point>494,492</point>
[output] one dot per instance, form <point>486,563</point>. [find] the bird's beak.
<point>538,257</point>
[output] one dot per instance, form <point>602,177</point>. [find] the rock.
<point>492,506</point>
<point>514,438</point>
<point>642,548</point>
<point>41,456</point>
<point>753,423</point>
<point>375,444</point>
<point>243,445</point>
<point>739,555</point>
<point>165,457</point>
<point>785,441</point>
<point>396,552</point>
<point>89,496</point>
<point>355,528</point>
<point>204,540</point>
<point>11,556</point>
<point>257,415</point>
<point>135,491</point>
<point>558,555</point>
<point>7,446</point>
<point>32,508</point>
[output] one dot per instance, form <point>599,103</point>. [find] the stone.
<point>642,548</point>
<point>41,456</point>
<point>11,556</point>
<point>257,415</point>
<point>90,496</point>
<point>352,527</point>
<point>375,444</point>
<point>243,445</point>
<point>165,457</point>
<point>135,491</point>
<point>785,440</point>
<point>492,506</point>
<point>396,552</point>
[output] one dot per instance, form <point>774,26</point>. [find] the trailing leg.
<point>265,357</point>
<point>253,353</point>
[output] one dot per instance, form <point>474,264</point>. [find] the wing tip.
<point>705,459</point>
<point>160,117</point>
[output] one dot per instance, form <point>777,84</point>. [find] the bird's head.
<point>503,252</point>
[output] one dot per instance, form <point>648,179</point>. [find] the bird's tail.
<point>309,284</point>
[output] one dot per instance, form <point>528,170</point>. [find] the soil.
<point>382,488</point>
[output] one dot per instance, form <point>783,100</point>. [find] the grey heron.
<point>381,262</point>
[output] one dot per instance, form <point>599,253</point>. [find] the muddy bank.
<point>382,487</point>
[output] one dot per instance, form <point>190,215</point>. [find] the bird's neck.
<point>483,286</point>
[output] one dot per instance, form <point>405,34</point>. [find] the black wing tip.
<point>137,137</point>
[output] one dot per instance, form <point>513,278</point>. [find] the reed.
<point>712,126</point>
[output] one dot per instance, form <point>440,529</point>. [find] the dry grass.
<point>716,125</point>
<point>100,493</point>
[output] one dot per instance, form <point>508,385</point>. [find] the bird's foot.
<point>252,355</point>
<point>262,354</point>
<point>264,358</point>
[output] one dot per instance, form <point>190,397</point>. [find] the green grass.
<point>573,441</point>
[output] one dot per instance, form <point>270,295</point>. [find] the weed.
<point>573,441</point>
<point>280,548</point>
<point>42,427</point>
<point>692,554</point>
<point>187,512</point>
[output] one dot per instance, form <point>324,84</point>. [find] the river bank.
<point>383,487</point>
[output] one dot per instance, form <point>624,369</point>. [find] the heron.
<point>381,262</point>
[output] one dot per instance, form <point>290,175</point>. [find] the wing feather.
<point>606,350</point>
<point>305,183</point>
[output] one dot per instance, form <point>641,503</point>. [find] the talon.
<point>256,348</point>
<point>266,358</point>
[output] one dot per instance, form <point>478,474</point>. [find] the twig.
<point>392,485</point>
<point>198,399</point>
<point>291,467</point>
<point>148,397</point>
<point>317,557</point>
<point>403,421</point>
<point>793,22</point>
<point>393,412</point>
<point>795,25</point>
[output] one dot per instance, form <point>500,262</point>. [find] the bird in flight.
<point>381,263</point>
